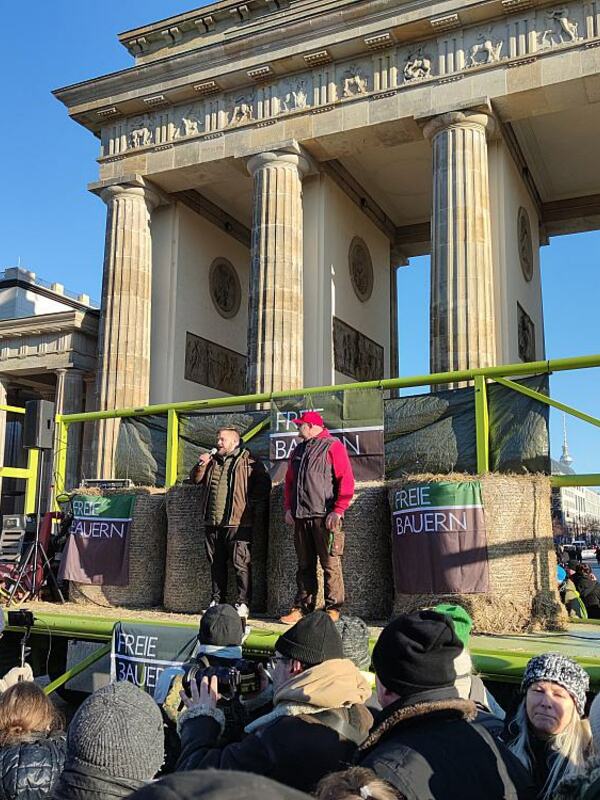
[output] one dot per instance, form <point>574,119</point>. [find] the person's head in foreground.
<point>213,784</point>
<point>115,744</point>
<point>546,733</point>
<point>356,783</point>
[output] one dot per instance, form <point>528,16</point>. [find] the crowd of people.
<point>427,728</point>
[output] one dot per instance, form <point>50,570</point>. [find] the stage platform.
<point>497,657</point>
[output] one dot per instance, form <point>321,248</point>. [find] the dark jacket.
<point>248,491</point>
<point>29,770</point>
<point>319,478</point>
<point>295,750</point>
<point>212,784</point>
<point>585,786</point>
<point>432,747</point>
<point>89,783</point>
<point>589,590</point>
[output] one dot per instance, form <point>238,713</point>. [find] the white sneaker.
<point>242,610</point>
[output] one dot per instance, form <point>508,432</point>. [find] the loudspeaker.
<point>38,427</point>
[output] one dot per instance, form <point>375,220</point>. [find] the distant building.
<point>48,350</point>
<point>576,509</point>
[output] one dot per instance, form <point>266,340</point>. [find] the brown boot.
<point>333,614</point>
<point>293,617</point>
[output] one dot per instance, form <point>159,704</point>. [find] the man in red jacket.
<point>319,486</point>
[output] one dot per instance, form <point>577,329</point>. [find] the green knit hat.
<point>463,624</point>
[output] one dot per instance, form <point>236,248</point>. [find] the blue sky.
<point>56,227</point>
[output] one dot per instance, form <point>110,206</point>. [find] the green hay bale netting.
<point>147,549</point>
<point>187,573</point>
<point>366,562</point>
<point>522,563</point>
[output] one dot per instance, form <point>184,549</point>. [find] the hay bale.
<point>522,564</point>
<point>147,549</point>
<point>187,573</point>
<point>366,561</point>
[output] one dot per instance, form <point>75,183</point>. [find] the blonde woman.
<point>547,733</point>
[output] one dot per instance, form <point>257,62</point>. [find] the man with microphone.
<point>237,494</point>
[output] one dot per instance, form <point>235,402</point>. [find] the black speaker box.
<point>38,427</point>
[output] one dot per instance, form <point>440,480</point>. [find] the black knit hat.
<point>210,784</point>
<point>416,652</point>
<point>311,640</point>
<point>221,626</point>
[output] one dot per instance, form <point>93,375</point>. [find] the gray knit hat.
<point>556,668</point>
<point>118,729</point>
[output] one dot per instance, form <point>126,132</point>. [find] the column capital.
<point>480,118</point>
<point>134,186</point>
<point>285,157</point>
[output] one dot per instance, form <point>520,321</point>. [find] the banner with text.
<point>439,541</point>
<point>97,549</point>
<point>140,652</point>
<point>355,417</point>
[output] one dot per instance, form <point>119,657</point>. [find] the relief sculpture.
<point>295,99</point>
<point>140,134</point>
<point>563,30</point>
<point>242,111</point>
<point>418,66</point>
<point>486,50</point>
<point>355,354</point>
<point>354,82</point>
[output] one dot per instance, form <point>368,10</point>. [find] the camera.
<point>237,680</point>
<point>21,619</point>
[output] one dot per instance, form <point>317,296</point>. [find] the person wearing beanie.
<point>427,741</point>
<point>317,720</point>
<point>585,785</point>
<point>469,685</point>
<point>547,733</point>
<point>115,744</point>
<point>213,784</point>
<point>220,637</point>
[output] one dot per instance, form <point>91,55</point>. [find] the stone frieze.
<point>450,54</point>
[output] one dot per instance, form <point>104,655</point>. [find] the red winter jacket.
<point>319,478</point>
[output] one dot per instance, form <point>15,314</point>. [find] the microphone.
<point>213,452</point>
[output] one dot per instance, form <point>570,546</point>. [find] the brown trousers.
<point>312,541</point>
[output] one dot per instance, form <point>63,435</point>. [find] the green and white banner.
<point>97,549</point>
<point>439,541</point>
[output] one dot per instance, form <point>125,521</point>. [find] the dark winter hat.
<point>463,624</point>
<point>210,784</point>
<point>556,668</point>
<point>311,640</point>
<point>221,626</point>
<point>118,730</point>
<point>355,640</point>
<point>416,652</point>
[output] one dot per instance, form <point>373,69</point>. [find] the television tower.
<point>566,456</point>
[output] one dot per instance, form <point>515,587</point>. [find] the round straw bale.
<point>366,562</point>
<point>521,560</point>
<point>147,549</point>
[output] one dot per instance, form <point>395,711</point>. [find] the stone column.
<point>69,400</point>
<point>462,334</point>
<point>88,466</point>
<point>275,308</point>
<point>124,336</point>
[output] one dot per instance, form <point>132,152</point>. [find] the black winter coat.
<point>90,783</point>
<point>294,750</point>
<point>589,591</point>
<point>29,770</point>
<point>433,747</point>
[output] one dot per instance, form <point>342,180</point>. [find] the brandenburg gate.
<point>268,165</point>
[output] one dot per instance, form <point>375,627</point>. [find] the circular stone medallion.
<point>225,287</point>
<point>361,269</point>
<point>525,244</point>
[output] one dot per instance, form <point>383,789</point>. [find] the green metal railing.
<point>29,473</point>
<point>479,377</point>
